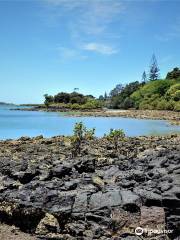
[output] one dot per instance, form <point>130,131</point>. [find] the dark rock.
<point>101,200</point>
<point>152,217</point>
<point>61,170</point>
<point>80,204</point>
<point>25,177</point>
<point>98,195</point>
<point>149,198</point>
<point>75,229</point>
<point>85,165</point>
<point>130,201</point>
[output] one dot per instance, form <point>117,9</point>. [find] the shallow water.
<point>14,124</point>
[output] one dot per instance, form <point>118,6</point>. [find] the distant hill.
<point>3,103</point>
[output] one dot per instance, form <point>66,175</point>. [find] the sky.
<point>49,46</point>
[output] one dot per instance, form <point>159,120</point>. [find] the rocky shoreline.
<point>100,194</point>
<point>171,116</point>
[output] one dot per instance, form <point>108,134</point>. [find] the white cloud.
<point>100,48</point>
<point>67,54</point>
<point>66,4</point>
<point>86,21</point>
<point>91,17</point>
<point>98,15</point>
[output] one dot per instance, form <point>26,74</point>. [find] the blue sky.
<point>48,46</point>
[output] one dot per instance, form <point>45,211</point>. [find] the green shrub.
<point>80,133</point>
<point>159,95</point>
<point>174,92</point>
<point>115,136</point>
<point>92,104</point>
<point>162,105</point>
<point>75,106</point>
<point>177,106</point>
<point>89,134</point>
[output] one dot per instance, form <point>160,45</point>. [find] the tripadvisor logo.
<point>139,231</point>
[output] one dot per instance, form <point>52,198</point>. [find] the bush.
<point>160,95</point>
<point>75,106</point>
<point>66,98</point>
<point>80,133</point>
<point>162,105</point>
<point>89,134</point>
<point>177,106</point>
<point>174,92</point>
<point>115,136</point>
<point>122,99</point>
<point>128,103</point>
<point>174,74</point>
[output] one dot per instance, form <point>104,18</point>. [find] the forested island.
<point>147,94</point>
<point>150,98</point>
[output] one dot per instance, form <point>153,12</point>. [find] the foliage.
<point>80,133</point>
<point>77,138</point>
<point>72,101</point>
<point>144,77</point>
<point>77,98</point>
<point>105,96</point>
<point>62,97</point>
<point>160,95</point>
<point>122,100</point>
<point>92,104</point>
<point>101,98</point>
<point>117,90</point>
<point>174,92</point>
<point>73,97</point>
<point>48,99</point>
<point>115,135</point>
<point>89,134</point>
<point>174,74</point>
<point>154,70</point>
<point>177,106</point>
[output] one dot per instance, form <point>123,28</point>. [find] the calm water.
<point>14,124</point>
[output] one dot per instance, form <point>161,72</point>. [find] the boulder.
<point>130,200</point>
<point>48,224</point>
<point>105,200</point>
<point>152,217</point>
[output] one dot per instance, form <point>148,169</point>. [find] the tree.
<point>144,77</point>
<point>154,69</point>
<point>101,98</point>
<point>48,99</point>
<point>76,89</point>
<point>77,98</point>
<point>117,90</point>
<point>105,96</point>
<point>174,74</point>
<point>62,97</point>
<point>117,101</point>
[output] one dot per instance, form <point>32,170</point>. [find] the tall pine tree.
<point>154,69</point>
<point>105,96</point>
<point>144,77</point>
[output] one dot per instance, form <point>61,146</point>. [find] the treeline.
<point>149,93</point>
<point>72,100</point>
